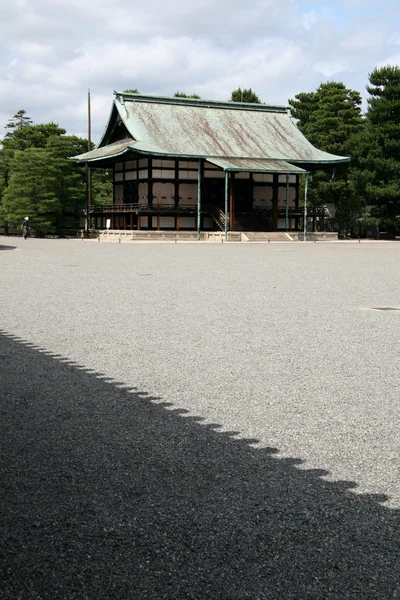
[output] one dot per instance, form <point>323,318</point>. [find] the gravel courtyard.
<point>199,421</point>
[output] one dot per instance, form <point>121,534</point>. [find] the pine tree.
<point>245,95</point>
<point>19,120</point>
<point>31,191</point>
<point>183,95</point>
<point>376,173</point>
<point>329,117</point>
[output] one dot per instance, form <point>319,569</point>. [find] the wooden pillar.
<point>158,222</point>
<point>138,221</point>
<point>177,222</point>
<point>232,202</point>
<point>124,221</point>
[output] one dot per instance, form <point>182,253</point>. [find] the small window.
<point>130,165</point>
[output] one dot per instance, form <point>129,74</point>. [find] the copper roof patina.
<point>185,127</point>
<point>257,165</point>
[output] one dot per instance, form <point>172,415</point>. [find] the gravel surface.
<point>203,421</point>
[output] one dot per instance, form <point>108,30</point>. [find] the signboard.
<point>108,223</point>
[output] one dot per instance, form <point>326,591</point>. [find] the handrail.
<point>217,214</point>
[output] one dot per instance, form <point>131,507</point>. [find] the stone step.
<point>272,236</point>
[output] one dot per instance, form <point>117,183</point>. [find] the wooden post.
<point>158,222</point>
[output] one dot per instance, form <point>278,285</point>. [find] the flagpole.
<point>88,171</point>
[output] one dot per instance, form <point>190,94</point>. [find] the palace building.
<point>197,165</point>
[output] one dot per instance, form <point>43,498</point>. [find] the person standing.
<point>25,228</point>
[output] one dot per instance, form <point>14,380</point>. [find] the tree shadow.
<point>3,247</point>
<point>107,493</point>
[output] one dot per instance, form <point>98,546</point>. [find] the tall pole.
<point>88,171</point>
<point>226,203</point>
<point>305,208</point>
<point>199,200</point>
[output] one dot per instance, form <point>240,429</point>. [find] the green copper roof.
<point>185,127</point>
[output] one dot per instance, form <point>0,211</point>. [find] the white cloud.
<point>309,20</point>
<point>53,50</point>
<point>361,40</point>
<point>329,69</point>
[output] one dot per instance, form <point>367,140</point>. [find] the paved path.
<point>241,442</point>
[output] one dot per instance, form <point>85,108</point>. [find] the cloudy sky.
<point>53,50</point>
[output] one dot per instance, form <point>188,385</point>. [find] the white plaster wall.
<point>262,196</point>
<point>167,222</point>
<point>142,193</point>
<point>163,193</point>
<point>188,222</point>
<point>188,193</point>
<point>282,197</point>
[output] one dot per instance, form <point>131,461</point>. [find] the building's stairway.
<point>250,222</point>
<point>267,236</point>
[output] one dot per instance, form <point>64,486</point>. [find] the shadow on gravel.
<point>107,494</point>
<point>3,247</point>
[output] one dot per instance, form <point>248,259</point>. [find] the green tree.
<point>183,95</point>
<point>375,176</point>
<point>330,118</point>
<point>245,95</point>
<point>70,186</point>
<point>102,186</point>
<point>21,192</point>
<point>31,191</point>
<point>19,120</point>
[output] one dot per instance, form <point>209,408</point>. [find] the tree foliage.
<point>375,176</point>
<point>183,95</point>
<point>329,118</point>
<point>245,95</point>
<point>102,186</point>
<point>31,190</point>
<point>38,179</point>
<point>20,119</point>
